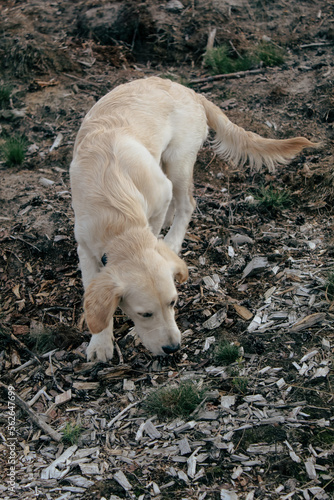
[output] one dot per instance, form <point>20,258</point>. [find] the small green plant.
<point>226,353</point>
<point>14,150</point>
<point>273,199</point>
<point>5,93</point>
<point>171,402</point>
<point>71,433</point>
<point>222,60</point>
<point>269,54</point>
<point>240,384</point>
<point>329,286</point>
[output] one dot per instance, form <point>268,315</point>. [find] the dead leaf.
<point>16,291</point>
<point>28,266</point>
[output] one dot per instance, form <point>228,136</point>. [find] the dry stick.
<point>238,74</point>
<point>21,345</point>
<point>315,44</point>
<point>24,241</point>
<point>210,43</point>
<point>121,413</point>
<point>119,352</point>
<point>37,420</point>
<point>211,39</point>
<point>30,362</point>
<point>235,50</point>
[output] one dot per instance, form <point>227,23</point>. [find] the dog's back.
<point>153,111</point>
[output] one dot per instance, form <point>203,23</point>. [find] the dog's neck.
<point>132,241</point>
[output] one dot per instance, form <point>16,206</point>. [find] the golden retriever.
<point>131,175</point>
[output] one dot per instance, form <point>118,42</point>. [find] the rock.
<point>174,6</point>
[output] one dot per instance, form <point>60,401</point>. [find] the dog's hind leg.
<point>89,265</point>
<point>180,173</point>
<point>169,216</point>
<point>164,199</point>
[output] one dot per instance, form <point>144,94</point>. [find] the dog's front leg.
<point>101,345</point>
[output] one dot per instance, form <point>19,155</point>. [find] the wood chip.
<point>243,312</point>
<point>64,397</point>
<point>89,469</point>
<point>151,430</point>
<point>51,471</point>
<point>255,266</point>
<point>241,239</point>
<point>310,469</point>
<point>227,401</point>
<point>308,321</point>
<point>86,386</point>
<point>80,481</point>
<point>122,480</point>
<point>216,320</point>
<point>228,495</point>
<point>184,446</point>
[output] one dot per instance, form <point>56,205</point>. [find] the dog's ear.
<point>179,267</point>
<point>100,302</point>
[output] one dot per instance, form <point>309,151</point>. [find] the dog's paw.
<point>101,347</point>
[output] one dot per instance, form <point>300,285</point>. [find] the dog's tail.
<point>236,144</point>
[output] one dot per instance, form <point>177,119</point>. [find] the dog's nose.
<point>169,349</point>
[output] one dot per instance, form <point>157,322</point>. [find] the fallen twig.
<point>31,361</point>
<point>315,44</point>
<point>37,420</point>
<point>121,413</point>
<point>238,74</point>
<point>26,242</point>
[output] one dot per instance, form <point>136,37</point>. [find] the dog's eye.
<point>146,315</point>
<point>173,303</point>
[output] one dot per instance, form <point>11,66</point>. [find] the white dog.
<point>131,175</point>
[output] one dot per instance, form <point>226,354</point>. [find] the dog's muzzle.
<point>169,349</point>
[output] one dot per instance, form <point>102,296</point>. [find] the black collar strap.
<point>104,259</point>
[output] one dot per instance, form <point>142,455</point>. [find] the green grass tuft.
<point>221,60</point>
<point>269,54</point>
<point>171,402</point>
<point>14,150</point>
<point>71,433</point>
<point>226,353</point>
<point>240,384</point>
<point>273,199</point>
<point>5,93</point>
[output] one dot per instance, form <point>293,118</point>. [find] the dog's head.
<point>142,284</point>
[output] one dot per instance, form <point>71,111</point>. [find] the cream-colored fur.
<point>131,175</point>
